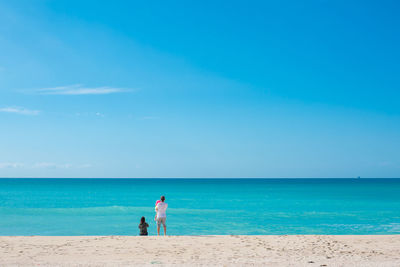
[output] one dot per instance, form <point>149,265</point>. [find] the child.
<point>158,201</point>
<point>143,226</point>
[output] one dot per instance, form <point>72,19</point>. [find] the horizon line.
<point>355,178</point>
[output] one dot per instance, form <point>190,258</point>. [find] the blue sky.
<point>206,89</point>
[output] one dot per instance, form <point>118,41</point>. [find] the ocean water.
<point>200,206</point>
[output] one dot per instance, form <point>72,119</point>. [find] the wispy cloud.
<point>13,165</point>
<point>20,110</point>
<point>84,166</point>
<point>79,89</point>
<point>149,118</point>
<point>89,114</point>
<point>43,165</point>
<point>50,165</point>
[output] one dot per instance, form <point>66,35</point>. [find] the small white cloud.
<point>79,89</point>
<point>99,114</point>
<point>20,110</point>
<point>13,165</point>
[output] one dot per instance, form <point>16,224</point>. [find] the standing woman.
<point>161,209</point>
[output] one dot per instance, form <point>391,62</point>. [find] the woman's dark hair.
<point>162,198</point>
<point>142,220</point>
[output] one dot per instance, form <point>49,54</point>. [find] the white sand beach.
<point>300,250</point>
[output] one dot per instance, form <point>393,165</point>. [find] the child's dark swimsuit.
<point>143,228</point>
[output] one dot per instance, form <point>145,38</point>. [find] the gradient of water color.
<point>200,206</point>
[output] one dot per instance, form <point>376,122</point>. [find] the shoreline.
<point>214,250</point>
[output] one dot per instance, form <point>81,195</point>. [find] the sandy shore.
<point>311,250</point>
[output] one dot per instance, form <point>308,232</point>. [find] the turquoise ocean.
<point>200,206</point>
